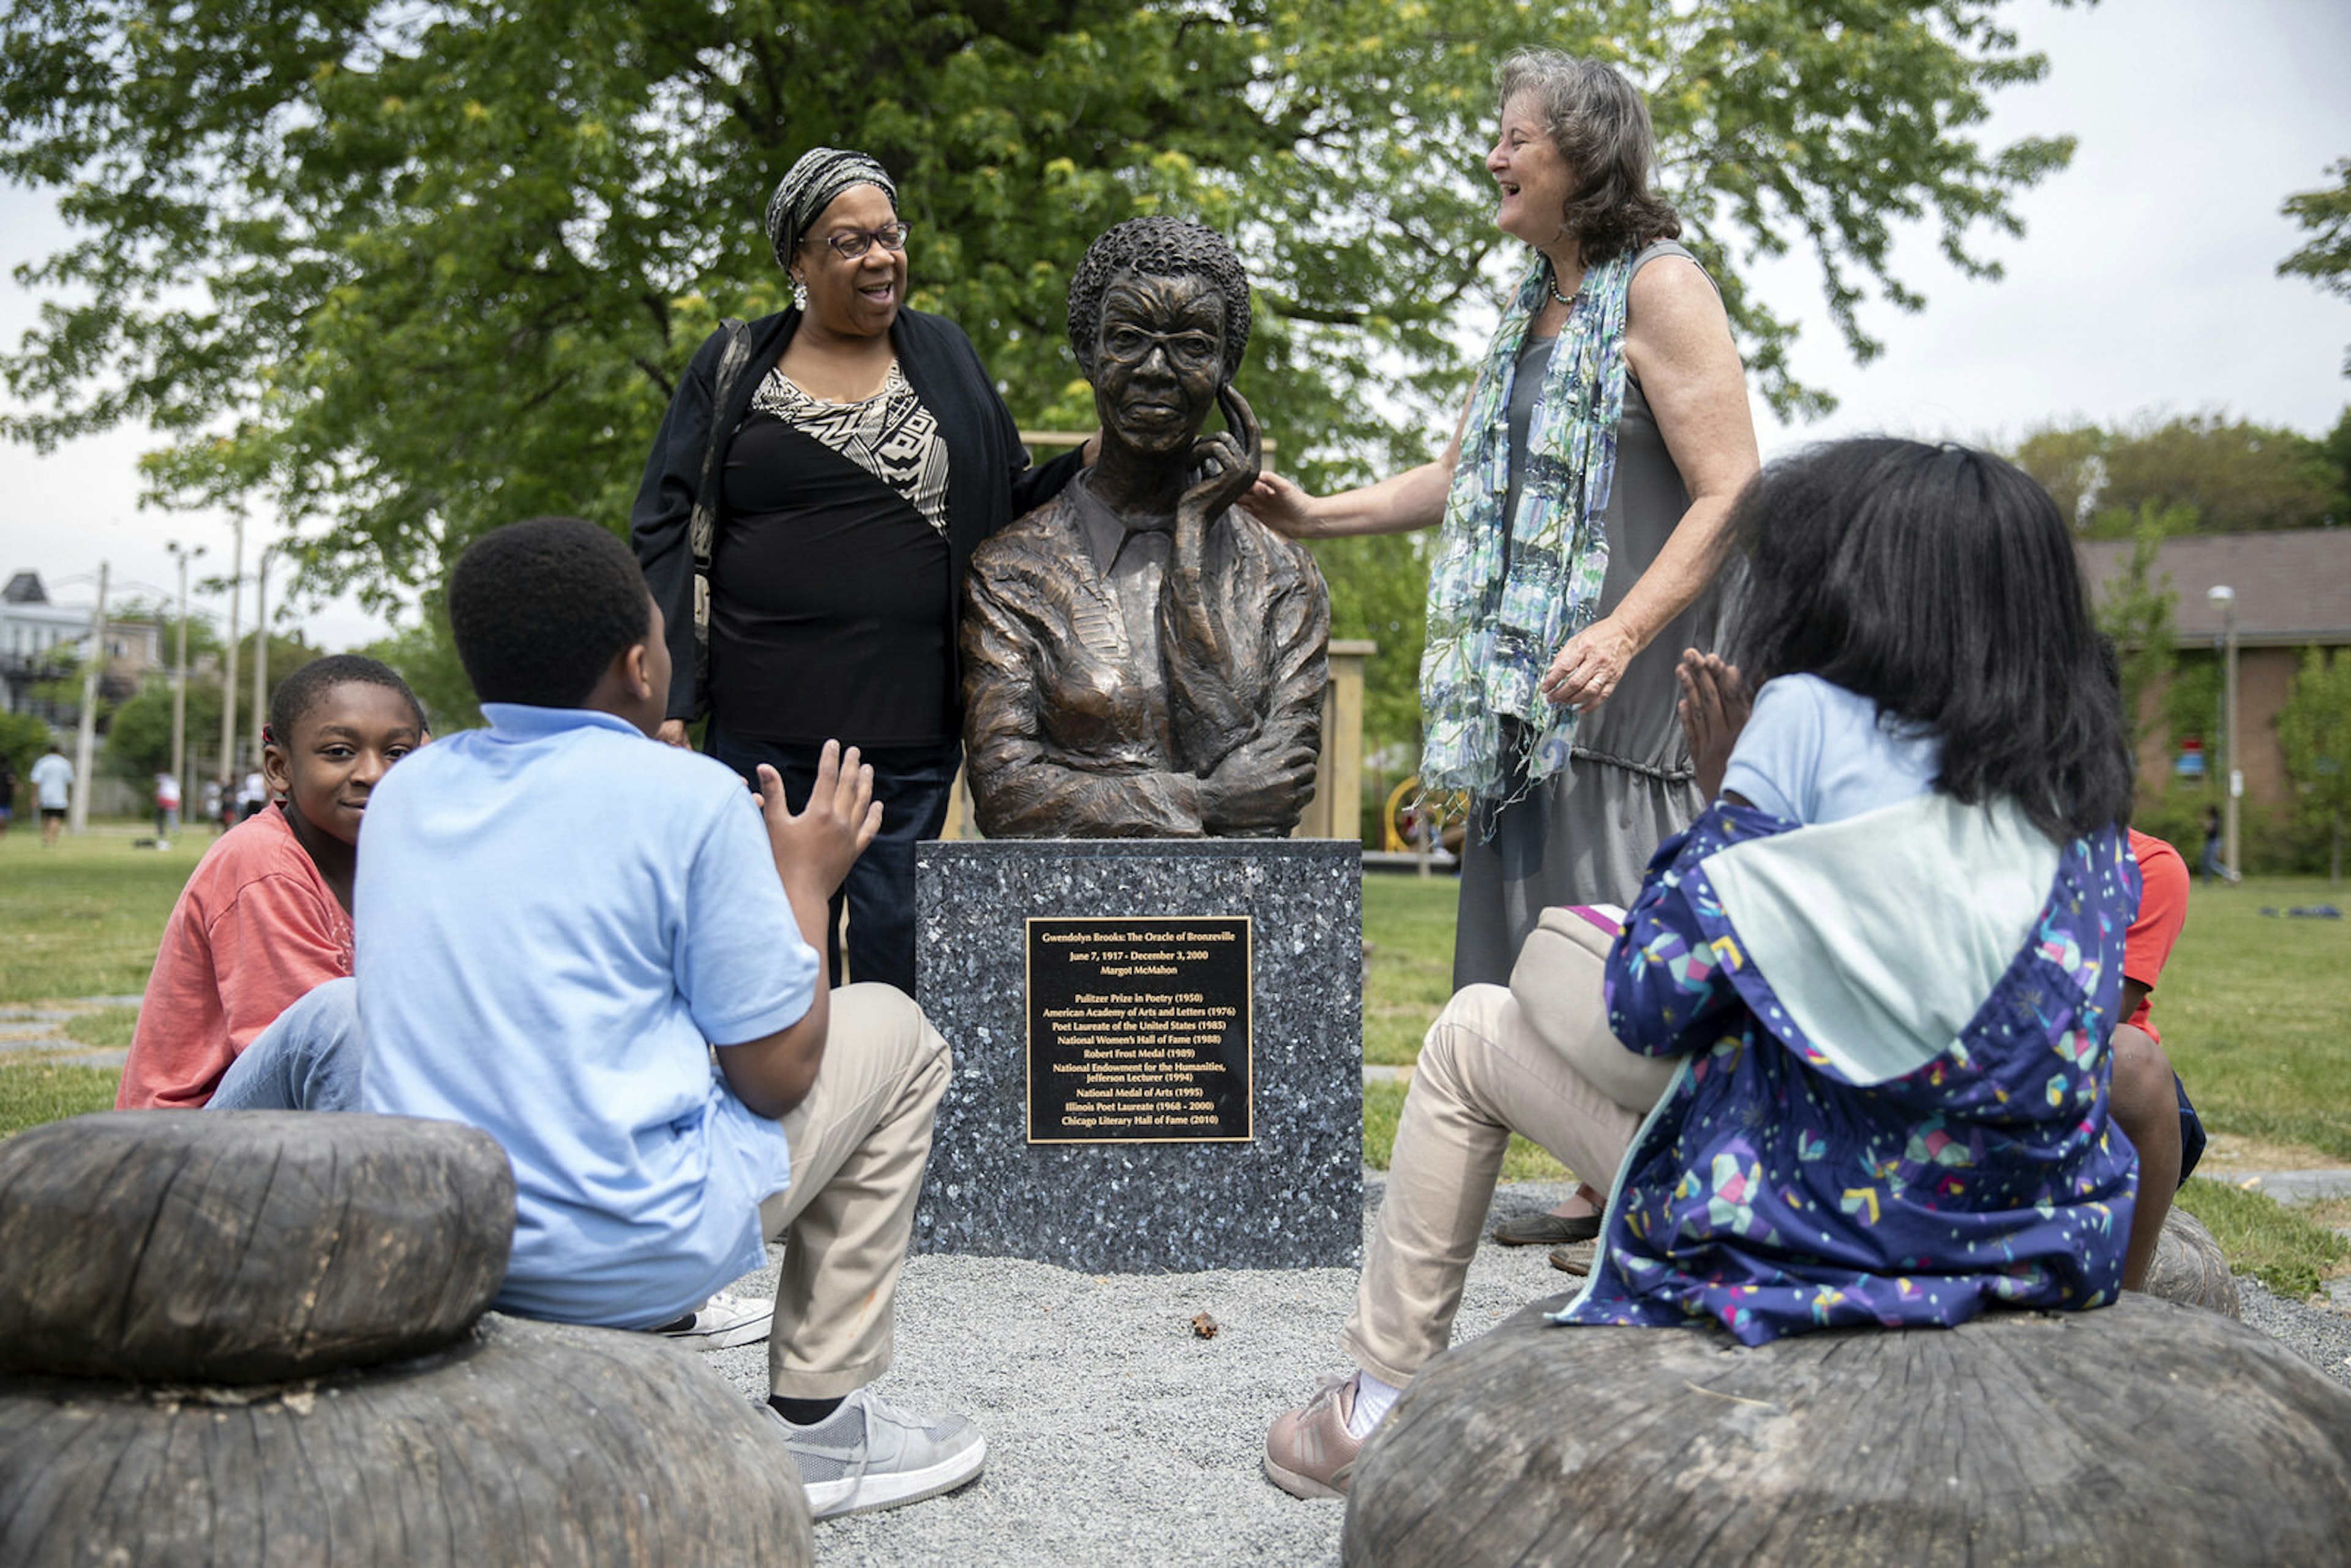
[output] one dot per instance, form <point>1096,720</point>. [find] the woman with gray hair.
<point>1583,499</point>
<point>843,459</point>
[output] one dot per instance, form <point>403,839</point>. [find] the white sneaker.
<point>722,1322</point>
<point>869,1454</point>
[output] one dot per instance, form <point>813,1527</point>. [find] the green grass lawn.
<point>1408,924</point>
<point>83,920</point>
<point>84,917</point>
<point>2255,1011</point>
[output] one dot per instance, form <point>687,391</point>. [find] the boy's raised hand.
<point>815,848</point>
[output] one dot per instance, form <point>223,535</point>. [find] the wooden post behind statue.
<point>1141,661</point>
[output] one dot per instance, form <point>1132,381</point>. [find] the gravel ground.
<point>1117,1435</point>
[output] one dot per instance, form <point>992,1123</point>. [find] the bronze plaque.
<point>1139,1029</point>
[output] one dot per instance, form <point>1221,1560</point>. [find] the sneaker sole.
<point>1297,1485</point>
<point>725,1339</point>
<point>835,1500</point>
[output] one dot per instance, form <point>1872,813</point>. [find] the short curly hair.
<point>540,608</point>
<point>1158,247</point>
<point>291,699</point>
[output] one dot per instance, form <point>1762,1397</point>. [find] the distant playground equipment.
<point>1406,818</point>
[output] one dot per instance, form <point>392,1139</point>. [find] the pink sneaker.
<point>1309,1453</point>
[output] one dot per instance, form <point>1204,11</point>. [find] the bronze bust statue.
<point>1141,661</point>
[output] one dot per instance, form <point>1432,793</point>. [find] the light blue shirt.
<point>555,917</point>
<point>1814,753</point>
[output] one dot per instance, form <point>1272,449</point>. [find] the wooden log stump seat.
<point>244,1246</point>
<point>2144,1433</point>
<point>199,1317</point>
<point>2189,1266</point>
<point>525,1443</point>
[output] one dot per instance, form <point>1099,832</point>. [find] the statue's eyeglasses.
<point>857,242</point>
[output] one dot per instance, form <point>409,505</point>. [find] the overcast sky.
<point>2145,283</point>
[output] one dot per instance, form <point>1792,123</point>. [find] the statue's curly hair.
<point>1158,247</point>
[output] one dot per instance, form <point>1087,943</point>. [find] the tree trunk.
<point>524,1443</point>
<point>2140,1434</point>
<point>244,1246</point>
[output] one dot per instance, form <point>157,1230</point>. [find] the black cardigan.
<point>989,481</point>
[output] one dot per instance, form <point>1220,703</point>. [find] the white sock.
<point>1374,1400</point>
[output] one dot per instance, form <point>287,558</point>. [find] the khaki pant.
<point>1537,1059</point>
<point>859,1143</point>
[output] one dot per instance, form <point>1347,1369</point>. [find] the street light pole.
<point>2232,781</point>
<point>86,731</point>
<point>180,670</point>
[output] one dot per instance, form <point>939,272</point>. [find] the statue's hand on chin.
<point>1228,464</point>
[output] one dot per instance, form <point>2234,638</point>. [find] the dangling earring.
<point>799,292</point>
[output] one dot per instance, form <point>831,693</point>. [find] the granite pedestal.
<point>1288,1194</point>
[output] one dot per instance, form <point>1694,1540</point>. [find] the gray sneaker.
<point>869,1454</point>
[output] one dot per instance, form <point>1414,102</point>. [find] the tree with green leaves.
<point>23,739</point>
<point>2326,259</point>
<point>2314,731</point>
<point>139,728</point>
<point>2206,473</point>
<point>399,274</point>
<point>2135,608</point>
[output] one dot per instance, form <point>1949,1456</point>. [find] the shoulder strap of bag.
<point>702,526</point>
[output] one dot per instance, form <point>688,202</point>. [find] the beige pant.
<point>1537,1059</point>
<point>859,1143</point>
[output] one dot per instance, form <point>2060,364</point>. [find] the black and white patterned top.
<point>891,435</point>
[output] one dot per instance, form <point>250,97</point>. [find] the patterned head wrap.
<point>809,186</point>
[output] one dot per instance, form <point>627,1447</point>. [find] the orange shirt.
<point>2162,911</point>
<point>255,928</point>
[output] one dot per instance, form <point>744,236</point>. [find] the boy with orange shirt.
<point>266,916</point>
<point>2149,1103</point>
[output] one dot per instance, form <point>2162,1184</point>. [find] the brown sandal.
<point>1575,1258</point>
<point>1547,1229</point>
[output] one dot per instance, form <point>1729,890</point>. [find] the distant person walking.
<point>167,805</point>
<point>8,794</point>
<point>2213,870</point>
<point>53,777</point>
<point>252,795</point>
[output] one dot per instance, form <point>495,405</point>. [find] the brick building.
<point>2293,591</point>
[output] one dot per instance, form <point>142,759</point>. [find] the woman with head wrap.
<point>857,459</point>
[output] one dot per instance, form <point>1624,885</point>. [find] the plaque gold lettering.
<point>1139,1029</point>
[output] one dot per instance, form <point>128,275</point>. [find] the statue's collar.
<point>1106,531</point>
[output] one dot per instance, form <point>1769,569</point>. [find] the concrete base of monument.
<point>1158,1052</point>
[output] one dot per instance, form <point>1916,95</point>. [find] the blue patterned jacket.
<point>1893,1104</point>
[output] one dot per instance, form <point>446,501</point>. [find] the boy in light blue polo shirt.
<point>558,918</point>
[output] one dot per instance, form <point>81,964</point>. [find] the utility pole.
<point>77,819</point>
<point>2232,779</point>
<point>180,674</point>
<point>260,645</point>
<point>228,672</point>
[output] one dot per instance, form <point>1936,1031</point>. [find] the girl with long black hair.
<point>1873,983</point>
<point>1891,952</point>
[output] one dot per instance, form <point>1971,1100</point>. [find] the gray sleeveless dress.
<point>1584,836</point>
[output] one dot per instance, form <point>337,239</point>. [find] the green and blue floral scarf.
<point>1501,600</point>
